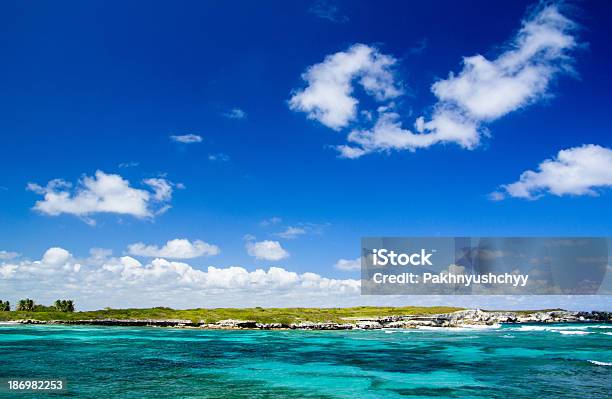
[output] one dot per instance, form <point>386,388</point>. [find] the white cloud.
<point>6,255</point>
<point>456,269</point>
<point>496,196</point>
<point>346,151</point>
<point>186,138</point>
<point>487,90</point>
<point>291,233</point>
<point>574,171</point>
<point>179,248</point>
<point>328,97</point>
<point>484,90</point>
<point>325,9</point>
<point>388,134</point>
<point>271,221</point>
<point>235,113</point>
<point>56,256</point>
<point>348,264</point>
<point>180,285</point>
<point>266,250</point>
<point>100,253</point>
<point>130,164</point>
<point>102,193</point>
<point>55,263</point>
<point>249,237</point>
<point>162,188</point>
<point>103,280</point>
<point>219,157</point>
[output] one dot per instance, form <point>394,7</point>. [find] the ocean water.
<point>525,361</point>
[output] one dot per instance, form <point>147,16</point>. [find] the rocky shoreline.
<point>462,318</point>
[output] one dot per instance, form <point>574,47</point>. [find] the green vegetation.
<point>262,315</point>
<point>5,306</point>
<point>64,305</point>
<point>25,305</point>
<point>28,305</point>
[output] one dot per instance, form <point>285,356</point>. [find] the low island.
<point>358,318</point>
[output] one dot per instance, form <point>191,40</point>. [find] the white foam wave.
<point>595,362</point>
<point>467,327</point>
<point>530,328</point>
<point>573,332</point>
<point>549,328</point>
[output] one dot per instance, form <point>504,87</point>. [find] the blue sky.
<point>98,86</point>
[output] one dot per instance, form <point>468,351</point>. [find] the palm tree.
<point>64,305</point>
<point>26,305</point>
<point>5,306</point>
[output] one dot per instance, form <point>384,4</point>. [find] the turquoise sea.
<point>525,361</point>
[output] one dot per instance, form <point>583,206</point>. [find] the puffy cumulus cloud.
<point>574,171</point>
<point>102,280</point>
<point>54,261</point>
<point>328,97</point>
<point>121,282</point>
<point>484,90</point>
<point>266,250</point>
<point>348,264</point>
<point>186,138</point>
<point>291,232</point>
<point>456,269</point>
<point>102,193</point>
<point>56,256</point>
<point>179,248</point>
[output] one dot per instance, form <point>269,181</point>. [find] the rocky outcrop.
<point>476,317</point>
<point>369,325</point>
<point>231,323</point>
<point>308,325</point>
<point>271,326</point>
<point>463,318</point>
<point>604,317</point>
